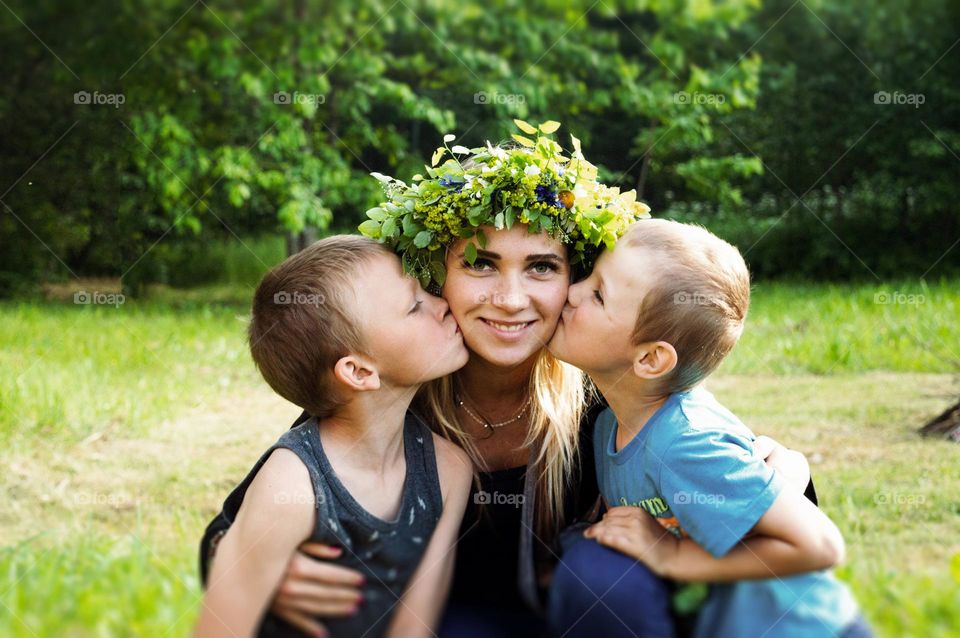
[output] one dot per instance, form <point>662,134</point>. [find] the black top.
<point>386,552</point>
<point>488,551</point>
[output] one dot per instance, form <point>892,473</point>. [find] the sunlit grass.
<point>125,427</point>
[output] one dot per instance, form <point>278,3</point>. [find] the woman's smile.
<point>508,329</point>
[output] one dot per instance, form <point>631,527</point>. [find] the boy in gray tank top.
<point>339,330</point>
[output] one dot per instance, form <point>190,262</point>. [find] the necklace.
<point>492,427</point>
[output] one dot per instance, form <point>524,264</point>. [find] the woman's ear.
<point>356,373</point>
<point>654,360</point>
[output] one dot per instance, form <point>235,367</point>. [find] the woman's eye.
<point>478,264</point>
<point>598,297</point>
<point>544,267</point>
<point>416,307</point>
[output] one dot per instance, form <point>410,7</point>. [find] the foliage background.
<point>760,120</point>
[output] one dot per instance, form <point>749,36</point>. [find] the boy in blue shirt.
<point>656,316</point>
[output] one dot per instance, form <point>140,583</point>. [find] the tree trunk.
<point>946,425</point>
<point>642,179</point>
<point>298,241</point>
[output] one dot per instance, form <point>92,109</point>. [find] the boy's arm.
<point>793,536</point>
<point>276,516</point>
<point>220,525</point>
<point>419,608</point>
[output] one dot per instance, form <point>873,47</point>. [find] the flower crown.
<point>534,184</point>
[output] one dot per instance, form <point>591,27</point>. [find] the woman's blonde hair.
<point>557,394</point>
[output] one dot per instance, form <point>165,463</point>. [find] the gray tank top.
<point>385,552</point>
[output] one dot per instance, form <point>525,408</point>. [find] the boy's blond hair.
<point>303,321</point>
<point>700,301</point>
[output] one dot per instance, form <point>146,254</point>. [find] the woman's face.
<point>509,300</point>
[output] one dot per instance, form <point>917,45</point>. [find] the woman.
<point>524,417</point>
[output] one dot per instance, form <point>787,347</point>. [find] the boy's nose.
<point>574,294</point>
<point>442,308</point>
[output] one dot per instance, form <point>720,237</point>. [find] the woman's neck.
<point>492,386</point>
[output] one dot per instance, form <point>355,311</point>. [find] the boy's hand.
<point>634,532</point>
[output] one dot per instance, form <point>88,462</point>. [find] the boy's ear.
<point>654,360</point>
<point>356,373</point>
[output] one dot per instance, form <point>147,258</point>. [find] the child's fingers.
<point>764,446</point>
<point>624,512</point>
<point>302,622</point>
<point>319,550</point>
<point>614,540</point>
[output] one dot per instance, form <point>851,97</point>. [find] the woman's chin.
<point>506,356</point>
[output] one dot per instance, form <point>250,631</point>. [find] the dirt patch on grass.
<point>151,486</point>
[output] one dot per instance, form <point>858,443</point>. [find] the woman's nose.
<point>511,296</point>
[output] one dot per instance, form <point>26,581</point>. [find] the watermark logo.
<point>900,499</point>
<point>698,498</point>
<point>284,298</point>
<point>484,497</point>
<point>695,298</point>
<point>286,498</point>
<point>710,99</point>
<point>485,97</point>
<point>285,97</point>
<point>899,98</point>
<point>97,98</point>
<point>500,299</point>
<point>897,298</point>
<point>97,298</point>
<point>117,501</point>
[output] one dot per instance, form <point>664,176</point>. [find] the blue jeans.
<point>597,591</point>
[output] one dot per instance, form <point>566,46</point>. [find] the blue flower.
<point>452,184</point>
<point>547,196</point>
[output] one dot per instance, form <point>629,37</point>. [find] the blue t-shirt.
<point>692,467</point>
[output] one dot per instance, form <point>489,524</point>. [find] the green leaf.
<point>548,127</point>
<point>525,127</point>
<point>576,144</point>
<point>470,253</point>
<point>437,155</point>
<point>423,239</point>
<point>370,228</point>
<point>523,140</point>
<point>482,238</point>
<point>389,227</point>
<point>377,214</point>
<point>439,272</point>
<point>510,216</point>
<point>410,227</point>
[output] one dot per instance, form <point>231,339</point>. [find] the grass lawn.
<point>125,427</point>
